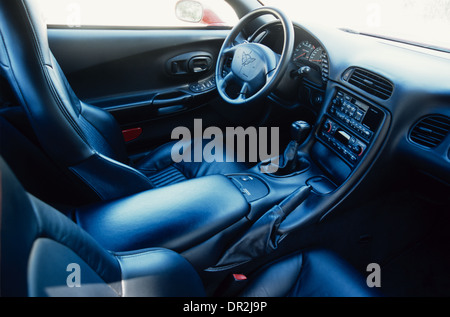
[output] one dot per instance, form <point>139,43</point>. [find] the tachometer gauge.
<point>303,51</point>
<point>316,55</point>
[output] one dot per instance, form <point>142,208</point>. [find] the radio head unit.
<point>349,126</point>
<point>360,116</point>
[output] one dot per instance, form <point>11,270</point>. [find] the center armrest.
<point>176,217</point>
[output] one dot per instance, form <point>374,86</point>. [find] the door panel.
<point>152,80</point>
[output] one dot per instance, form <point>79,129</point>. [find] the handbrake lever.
<point>294,199</point>
<point>262,237</point>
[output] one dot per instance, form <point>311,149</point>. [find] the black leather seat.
<point>42,251</point>
<point>314,273</point>
<point>83,141</point>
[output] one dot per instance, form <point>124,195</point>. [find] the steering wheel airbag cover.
<point>255,67</point>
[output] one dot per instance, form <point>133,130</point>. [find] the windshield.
<point>426,22</point>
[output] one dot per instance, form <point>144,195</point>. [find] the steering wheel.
<point>252,67</point>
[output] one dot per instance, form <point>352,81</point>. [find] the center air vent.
<point>370,82</point>
<point>430,131</point>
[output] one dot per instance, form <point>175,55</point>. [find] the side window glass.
<point>139,13</point>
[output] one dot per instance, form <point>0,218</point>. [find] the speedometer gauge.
<point>316,55</point>
<point>303,51</point>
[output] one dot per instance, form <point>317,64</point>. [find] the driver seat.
<point>82,140</point>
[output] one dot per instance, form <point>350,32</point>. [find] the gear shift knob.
<point>290,161</point>
<point>300,131</point>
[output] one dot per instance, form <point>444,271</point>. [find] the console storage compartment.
<point>177,217</point>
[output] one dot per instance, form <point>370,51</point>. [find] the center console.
<point>345,138</point>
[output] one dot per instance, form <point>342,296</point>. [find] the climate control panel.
<point>347,145</point>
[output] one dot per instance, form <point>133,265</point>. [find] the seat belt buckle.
<point>239,277</point>
<point>233,285</point>
<point>131,134</point>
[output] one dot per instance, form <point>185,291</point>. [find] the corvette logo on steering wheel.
<point>247,59</point>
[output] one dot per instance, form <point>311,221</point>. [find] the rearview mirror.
<point>189,11</point>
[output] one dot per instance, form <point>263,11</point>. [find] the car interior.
<point>87,174</point>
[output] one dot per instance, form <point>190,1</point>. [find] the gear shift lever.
<point>299,133</point>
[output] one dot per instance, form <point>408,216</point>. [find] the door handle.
<point>199,64</point>
<point>189,63</point>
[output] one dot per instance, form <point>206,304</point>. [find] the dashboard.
<point>404,89</point>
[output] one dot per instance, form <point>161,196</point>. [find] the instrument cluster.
<point>308,53</point>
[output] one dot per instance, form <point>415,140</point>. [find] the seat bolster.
<point>111,179</point>
<point>59,228</point>
<point>316,273</point>
<point>276,279</point>
<point>325,274</point>
<point>158,272</point>
<point>108,129</point>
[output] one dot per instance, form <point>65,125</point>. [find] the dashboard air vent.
<point>430,131</point>
<point>370,82</point>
